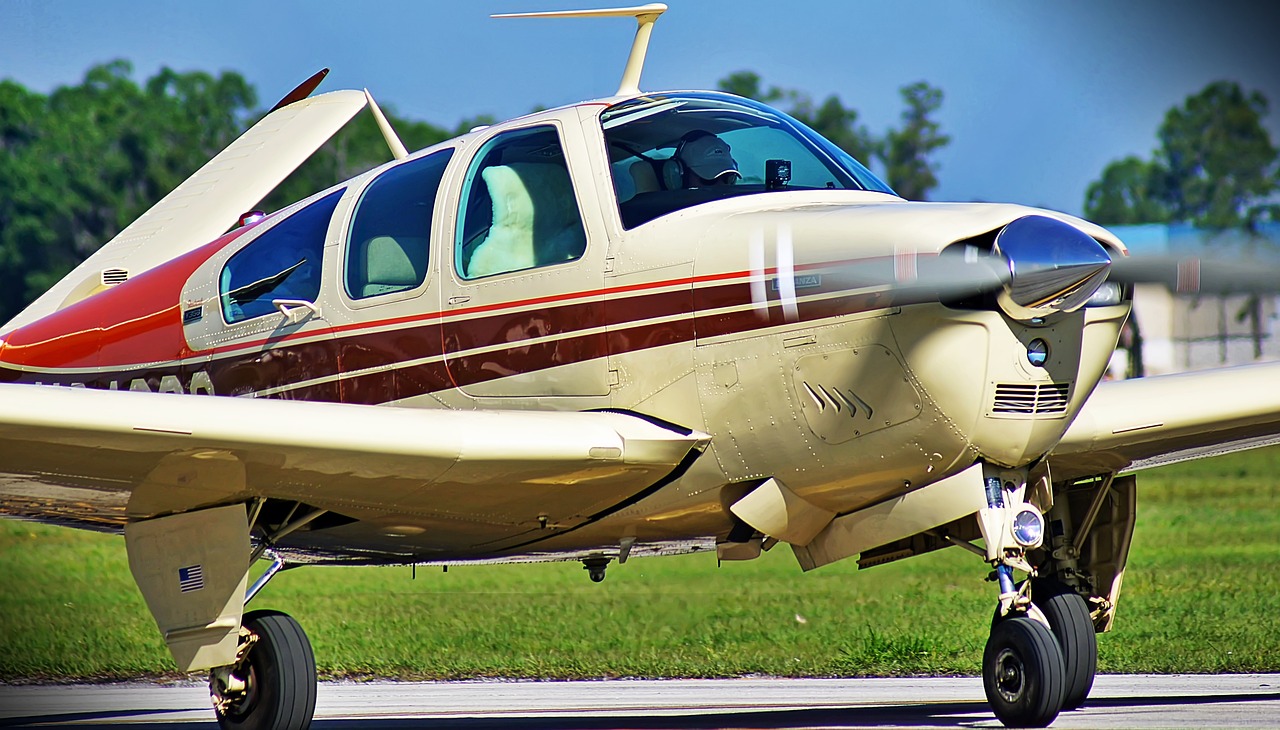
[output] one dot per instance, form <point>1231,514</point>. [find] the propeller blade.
<point>1196,275</point>
<point>905,277</point>
<point>302,90</point>
<point>944,277</point>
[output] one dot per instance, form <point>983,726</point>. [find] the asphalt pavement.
<point>1117,701</point>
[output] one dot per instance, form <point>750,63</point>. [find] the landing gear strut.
<point>272,684</point>
<point>1023,669</point>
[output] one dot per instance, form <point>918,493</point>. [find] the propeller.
<point>1196,275</point>
<point>1037,266</point>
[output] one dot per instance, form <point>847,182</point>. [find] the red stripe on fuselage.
<point>131,324</point>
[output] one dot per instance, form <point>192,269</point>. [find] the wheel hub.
<point>1010,676</point>
<point>231,687</point>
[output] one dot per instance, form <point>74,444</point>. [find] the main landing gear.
<point>272,684</point>
<point>1042,654</point>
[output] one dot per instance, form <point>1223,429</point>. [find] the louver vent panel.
<point>111,277</point>
<point>1030,400</point>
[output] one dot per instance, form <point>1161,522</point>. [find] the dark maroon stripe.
<point>283,366</point>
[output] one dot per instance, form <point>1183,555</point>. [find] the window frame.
<point>332,198</point>
<point>438,223</point>
<point>468,178</point>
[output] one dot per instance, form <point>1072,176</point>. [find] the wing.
<point>1129,425</point>
<point>211,201</point>
<point>390,481</point>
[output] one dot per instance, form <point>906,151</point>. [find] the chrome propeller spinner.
<point>1053,267</point>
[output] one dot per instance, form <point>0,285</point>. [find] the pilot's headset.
<point>673,167</point>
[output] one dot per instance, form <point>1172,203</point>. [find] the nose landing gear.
<point>1042,653</point>
<point>1022,672</point>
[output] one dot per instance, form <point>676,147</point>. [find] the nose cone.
<point>1053,266</point>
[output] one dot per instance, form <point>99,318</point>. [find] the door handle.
<point>296,310</point>
<point>459,299</point>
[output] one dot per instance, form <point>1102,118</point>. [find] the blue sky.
<point>1039,95</point>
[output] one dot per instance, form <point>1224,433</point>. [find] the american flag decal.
<point>190,578</point>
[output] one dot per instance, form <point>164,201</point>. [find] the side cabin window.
<point>518,211</point>
<point>387,247</point>
<point>282,263</point>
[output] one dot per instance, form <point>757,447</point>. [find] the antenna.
<point>393,141</point>
<point>645,16</point>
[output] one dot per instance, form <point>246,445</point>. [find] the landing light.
<point>1027,527</point>
<point>1038,352</point>
<point>1108,294</point>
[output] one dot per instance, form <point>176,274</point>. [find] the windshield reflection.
<point>670,152</point>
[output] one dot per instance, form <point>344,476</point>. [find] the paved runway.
<point>1117,701</point>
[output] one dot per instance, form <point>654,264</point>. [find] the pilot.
<point>705,160</point>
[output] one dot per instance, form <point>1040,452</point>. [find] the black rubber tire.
<point>1022,673</point>
<point>1072,626</point>
<point>282,677</point>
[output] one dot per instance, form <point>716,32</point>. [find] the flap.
<point>92,456</point>
<point>1128,425</point>
<point>209,202</point>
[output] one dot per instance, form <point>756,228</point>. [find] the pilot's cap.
<point>708,157</point>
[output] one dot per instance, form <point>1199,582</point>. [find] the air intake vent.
<point>111,277</point>
<point>1029,400</point>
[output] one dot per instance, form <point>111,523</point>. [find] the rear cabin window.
<point>282,263</point>
<point>519,211</point>
<point>387,248</point>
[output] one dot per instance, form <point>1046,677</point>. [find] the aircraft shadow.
<point>943,714</point>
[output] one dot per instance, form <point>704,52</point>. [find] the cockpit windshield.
<point>670,152</point>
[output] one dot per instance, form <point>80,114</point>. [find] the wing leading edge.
<point>436,480</point>
<point>1129,425</point>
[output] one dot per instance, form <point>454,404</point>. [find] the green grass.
<point>1198,596</point>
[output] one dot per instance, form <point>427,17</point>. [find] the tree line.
<point>80,163</point>
<point>1215,167</point>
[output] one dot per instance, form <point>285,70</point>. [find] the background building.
<point>1178,332</point>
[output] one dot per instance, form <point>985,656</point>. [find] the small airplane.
<point>647,324</point>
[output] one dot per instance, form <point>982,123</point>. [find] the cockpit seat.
<point>392,264</point>
<point>535,219</point>
<point>643,177</point>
